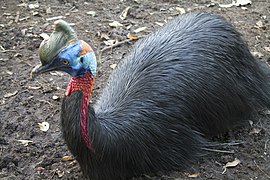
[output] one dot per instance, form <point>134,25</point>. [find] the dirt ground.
<point>25,103</point>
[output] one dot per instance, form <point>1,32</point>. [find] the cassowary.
<point>191,79</point>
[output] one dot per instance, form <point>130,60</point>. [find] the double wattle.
<point>84,84</point>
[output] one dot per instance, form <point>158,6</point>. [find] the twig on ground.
<point>262,170</point>
<point>265,145</point>
<point>112,46</point>
<point>219,151</point>
<point>52,175</point>
<point>27,63</point>
<point>6,50</point>
<point>41,100</point>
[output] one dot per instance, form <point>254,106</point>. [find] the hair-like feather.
<point>193,78</point>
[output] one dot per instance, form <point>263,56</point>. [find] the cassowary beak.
<point>39,69</point>
<point>36,71</point>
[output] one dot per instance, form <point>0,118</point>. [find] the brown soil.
<point>25,103</point>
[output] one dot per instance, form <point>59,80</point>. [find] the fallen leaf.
<point>17,16</point>
<point>23,31</point>
<point>193,175</point>
<point>267,49</point>
<point>160,24</point>
<point>44,126</point>
<point>255,131</point>
<point>71,164</point>
<point>34,87</point>
<point>9,72</point>
<point>212,4</point>
<point>44,36</point>
<point>24,18</point>
<point>242,2</point>
<point>162,9</point>
<point>226,5</point>
<point>35,13</point>
<point>92,13</point>
<point>33,6</point>
<point>22,5</point>
<point>40,169</point>
<point>104,36</point>
<point>266,112</point>
<point>116,24</point>
<point>10,94</point>
<point>132,36</point>
<point>56,73</point>
<point>55,97</point>
<point>257,54</point>
<point>18,55</point>
<point>260,24</point>
<point>180,10</point>
<point>124,13</point>
<point>55,18</point>
<point>60,173</point>
<point>129,26</point>
<point>48,10</point>
<point>236,3</point>
<point>140,29</point>
<point>25,142</point>
<point>30,97</point>
<point>109,42</point>
<point>232,164</point>
<point>10,22</point>
<point>250,123</point>
<point>113,66</point>
<point>67,158</point>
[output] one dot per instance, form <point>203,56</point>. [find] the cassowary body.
<point>193,78</point>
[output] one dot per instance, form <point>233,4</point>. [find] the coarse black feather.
<point>195,77</point>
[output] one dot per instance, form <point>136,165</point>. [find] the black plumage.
<point>193,78</point>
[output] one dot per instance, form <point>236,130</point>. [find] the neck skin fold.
<point>84,84</point>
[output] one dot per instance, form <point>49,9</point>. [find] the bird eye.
<point>81,59</point>
<point>65,62</point>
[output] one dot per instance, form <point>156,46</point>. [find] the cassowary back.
<point>196,72</point>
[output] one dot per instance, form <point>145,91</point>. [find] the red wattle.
<point>84,84</point>
<point>84,122</point>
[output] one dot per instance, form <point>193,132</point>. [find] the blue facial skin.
<point>69,61</point>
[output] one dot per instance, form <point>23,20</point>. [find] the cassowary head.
<point>62,51</point>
